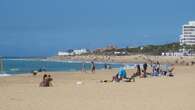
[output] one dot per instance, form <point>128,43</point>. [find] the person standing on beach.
<point>154,73</point>
<point>138,72</point>
<point>92,67</point>
<point>83,69</point>
<point>105,66</point>
<point>145,66</point>
<point>158,67</point>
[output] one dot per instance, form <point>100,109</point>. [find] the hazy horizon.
<point>43,27</point>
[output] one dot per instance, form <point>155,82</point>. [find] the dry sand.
<point>160,93</point>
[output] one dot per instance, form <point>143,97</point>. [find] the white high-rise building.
<point>188,34</point>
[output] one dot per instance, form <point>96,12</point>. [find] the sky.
<point>44,27</point>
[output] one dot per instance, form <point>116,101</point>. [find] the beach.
<point>84,91</point>
<point>97,55</point>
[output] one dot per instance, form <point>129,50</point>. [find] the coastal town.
<point>183,47</point>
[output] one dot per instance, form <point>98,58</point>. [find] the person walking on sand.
<point>92,67</point>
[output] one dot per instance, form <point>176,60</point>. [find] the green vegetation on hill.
<point>156,49</point>
<point>151,49</point>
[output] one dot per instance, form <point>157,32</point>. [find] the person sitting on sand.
<point>34,72</point>
<point>164,69</point>
<point>122,75</point>
<point>192,63</point>
<point>170,71</point>
<point>46,82</point>
<point>43,82</point>
<point>115,78</point>
<point>155,72</point>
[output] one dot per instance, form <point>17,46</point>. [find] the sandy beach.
<point>97,55</point>
<point>22,92</point>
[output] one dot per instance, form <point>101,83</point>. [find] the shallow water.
<point>18,66</point>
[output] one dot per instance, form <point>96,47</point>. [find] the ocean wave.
<point>4,75</point>
<point>130,66</point>
<point>61,61</point>
<point>14,69</point>
<point>23,59</point>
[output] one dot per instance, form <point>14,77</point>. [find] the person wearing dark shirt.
<point>145,69</point>
<point>92,67</point>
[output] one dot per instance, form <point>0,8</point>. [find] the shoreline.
<point>78,72</point>
<point>57,72</point>
<point>135,59</point>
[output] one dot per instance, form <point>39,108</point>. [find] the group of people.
<point>46,81</point>
<point>93,67</point>
<point>141,73</point>
<point>157,70</point>
<point>162,70</point>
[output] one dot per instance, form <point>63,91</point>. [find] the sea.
<point>14,66</point>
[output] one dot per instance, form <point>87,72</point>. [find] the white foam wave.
<point>129,66</point>
<point>4,75</point>
<point>14,69</point>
